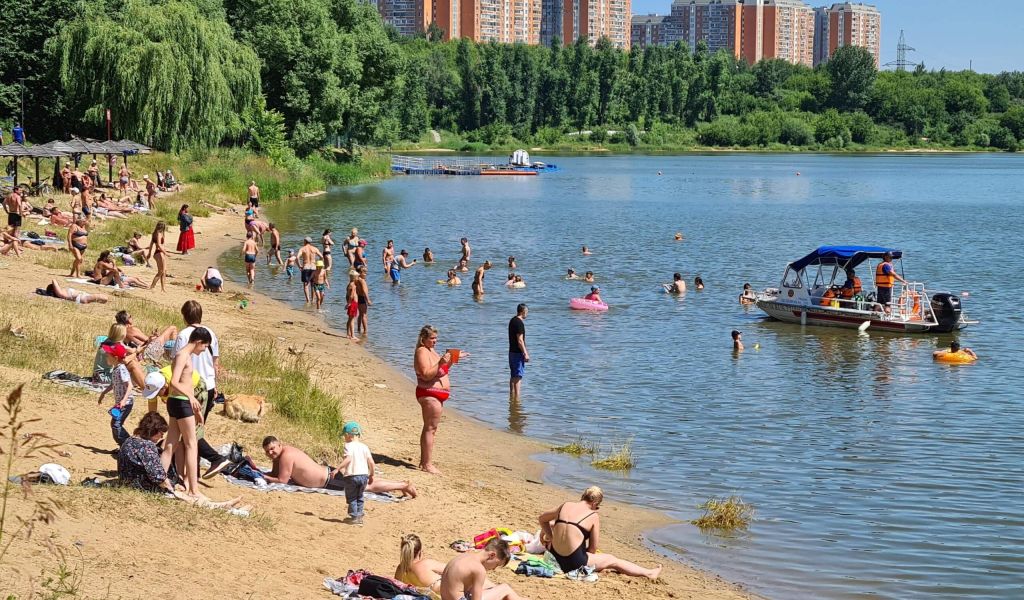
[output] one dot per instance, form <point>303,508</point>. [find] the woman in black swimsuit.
<point>78,243</point>
<point>571,533</point>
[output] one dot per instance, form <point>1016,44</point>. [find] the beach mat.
<point>285,487</point>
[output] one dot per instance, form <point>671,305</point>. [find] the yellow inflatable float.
<point>960,357</point>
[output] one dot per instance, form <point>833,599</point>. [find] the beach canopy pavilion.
<point>74,148</point>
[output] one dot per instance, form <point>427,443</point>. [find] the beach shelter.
<point>45,151</point>
<point>14,151</point>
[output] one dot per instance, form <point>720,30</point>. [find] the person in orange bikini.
<point>433,388</point>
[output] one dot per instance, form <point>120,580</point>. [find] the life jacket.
<point>883,280</point>
<point>826,298</point>
<point>850,292</point>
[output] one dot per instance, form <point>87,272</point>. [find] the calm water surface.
<point>875,472</point>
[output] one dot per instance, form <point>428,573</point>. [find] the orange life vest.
<point>883,280</point>
<point>851,292</point>
<point>826,298</point>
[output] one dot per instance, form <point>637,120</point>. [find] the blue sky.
<point>955,32</point>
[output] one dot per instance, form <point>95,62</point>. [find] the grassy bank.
<point>660,140</point>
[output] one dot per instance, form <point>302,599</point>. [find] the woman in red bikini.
<point>432,389</point>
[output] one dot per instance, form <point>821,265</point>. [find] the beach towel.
<point>75,381</point>
<point>285,487</point>
<point>83,281</point>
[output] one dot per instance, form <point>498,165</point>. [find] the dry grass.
<point>725,514</point>
<point>577,447</point>
<point>619,459</point>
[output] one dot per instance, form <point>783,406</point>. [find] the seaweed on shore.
<point>577,447</point>
<point>620,459</point>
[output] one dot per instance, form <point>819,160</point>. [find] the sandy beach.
<point>123,544</point>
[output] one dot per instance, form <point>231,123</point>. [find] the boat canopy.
<point>846,256</point>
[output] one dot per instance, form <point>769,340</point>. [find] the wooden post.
<point>37,175</point>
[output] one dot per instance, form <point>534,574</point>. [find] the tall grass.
<point>619,459</point>
<point>287,386</point>
<point>725,514</point>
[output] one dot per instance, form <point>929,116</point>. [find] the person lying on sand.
<point>418,570</point>
<point>571,532</point>
<point>295,467</point>
<point>73,295</point>
<point>465,575</point>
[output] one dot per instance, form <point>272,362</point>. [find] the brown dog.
<point>245,408</point>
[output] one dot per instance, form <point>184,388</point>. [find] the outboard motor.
<point>947,312</point>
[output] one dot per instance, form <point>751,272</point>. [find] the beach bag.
<point>376,586</point>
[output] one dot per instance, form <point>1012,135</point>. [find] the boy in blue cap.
<point>357,471</point>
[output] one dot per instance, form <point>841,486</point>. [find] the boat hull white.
<point>826,316</point>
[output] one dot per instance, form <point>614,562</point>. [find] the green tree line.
<point>295,76</point>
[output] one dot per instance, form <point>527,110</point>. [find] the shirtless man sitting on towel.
<point>295,467</point>
<point>464,576</point>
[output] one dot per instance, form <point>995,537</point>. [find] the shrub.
<point>861,127</point>
<point>632,135</point>
<point>796,132</point>
<point>830,129</point>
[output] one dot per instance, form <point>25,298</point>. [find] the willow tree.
<point>171,75</point>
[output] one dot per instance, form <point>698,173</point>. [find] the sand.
<point>123,544</point>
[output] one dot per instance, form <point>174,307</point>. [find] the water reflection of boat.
<point>819,301</point>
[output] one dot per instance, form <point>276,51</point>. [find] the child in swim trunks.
<point>289,264</point>
<point>319,283</point>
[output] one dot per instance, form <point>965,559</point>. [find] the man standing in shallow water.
<point>308,255</point>
<point>517,354</point>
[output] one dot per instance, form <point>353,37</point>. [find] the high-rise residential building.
<point>720,24</point>
<point>506,21</point>
<point>589,19</point>
<point>847,24</point>
<point>647,30</point>
<point>788,31</point>
<point>409,17</point>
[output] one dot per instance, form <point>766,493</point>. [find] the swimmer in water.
<point>678,286</point>
<point>512,262</point>
<point>748,296</point>
<point>463,266</point>
<point>594,295</point>
<point>453,278</point>
<point>428,256</point>
<point>954,348</point>
<point>737,341</point>
<point>679,237</point>
<point>571,274</point>
<point>511,279</point>
<point>586,251</point>
<point>518,283</point>
<point>698,283</point>
<point>588,277</point>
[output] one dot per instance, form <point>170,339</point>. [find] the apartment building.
<point>505,21</point>
<point>847,24</point>
<point>788,31</point>
<point>594,19</point>
<point>647,30</point>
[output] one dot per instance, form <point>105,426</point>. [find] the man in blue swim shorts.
<point>517,354</point>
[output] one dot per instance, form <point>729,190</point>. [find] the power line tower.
<point>901,63</point>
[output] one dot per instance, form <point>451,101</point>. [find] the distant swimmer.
<point>679,236</point>
<point>571,274</point>
<point>518,283</point>
<point>512,262</point>
<point>737,341</point>
<point>478,279</point>
<point>453,278</point>
<point>249,251</point>
<point>319,284</point>
<point>588,277</point>
<point>698,283</point>
<point>586,251</point>
<point>463,266</point>
<point>511,279</point>
<point>678,286</point>
<point>428,256</point>
<point>659,173</point>
<point>467,252</point>
<point>955,354</point>
<point>748,296</point>
<point>594,295</point>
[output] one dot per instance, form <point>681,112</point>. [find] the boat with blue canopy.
<point>823,289</point>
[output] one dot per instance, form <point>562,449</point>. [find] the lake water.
<point>875,473</point>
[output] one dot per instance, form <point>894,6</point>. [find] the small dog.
<point>245,408</point>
